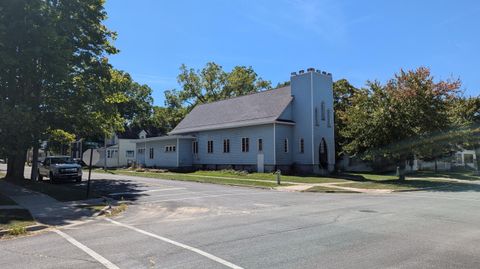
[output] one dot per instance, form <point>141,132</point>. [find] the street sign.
<point>95,156</point>
<point>91,156</point>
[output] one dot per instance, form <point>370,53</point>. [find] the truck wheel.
<point>52,178</point>
<point>78,179</point>
<point>39,176</point>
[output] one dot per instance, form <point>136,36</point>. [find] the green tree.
<point>400,119</point>
<point>54,73</point>
<point>59,140</point>
<point>343,93</point>
<point>207,85</point>
<point>465,118</point>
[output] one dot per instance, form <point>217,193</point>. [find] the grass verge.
<point>328,190</point>
<point>461,174</point>
<point>93,208</point>
<point>116,210</point>
<point>15,219</point>
<point>397,185</point>
<point>236,181</point>
<point>228,177</point>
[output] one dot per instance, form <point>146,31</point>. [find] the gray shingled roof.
<point>252,109</point>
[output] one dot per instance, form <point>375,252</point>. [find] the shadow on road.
<point>66,202</point>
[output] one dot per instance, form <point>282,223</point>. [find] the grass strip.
<point>15,219</point>
<point>328,190</point>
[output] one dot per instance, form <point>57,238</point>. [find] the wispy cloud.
<point>325,19</point>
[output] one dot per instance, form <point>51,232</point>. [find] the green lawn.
<point>461,174</point>
<point>269,176</point>
<point>369,176</point>
<point>94,208</point>
<point>328,190</point>
<point>201,177</point>
<point>63,192</point>
<point>268,180</point>
<point>228,177</point>
<point>408,184</point>
<point>14,218</point>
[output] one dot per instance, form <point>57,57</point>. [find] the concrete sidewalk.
<point>44,209</point>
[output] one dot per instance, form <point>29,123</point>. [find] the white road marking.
<point>205,196</point>
<point>87,250</point>
<point>178,244</point>
<point>147,191</point>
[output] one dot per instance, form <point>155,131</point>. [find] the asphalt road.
<point>174,224</point>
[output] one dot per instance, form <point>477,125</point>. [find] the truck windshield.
<point>61,160</point>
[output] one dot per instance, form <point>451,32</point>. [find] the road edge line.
<point>178,244</point>
<point>87,250</point>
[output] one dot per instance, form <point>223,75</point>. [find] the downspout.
<point>274,147</point>
<point>311,111</point>
<point>178,150</point>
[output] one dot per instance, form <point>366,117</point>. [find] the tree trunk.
<point>16,164</point>
<point>436,166</point>
<point>33,174</point>
<point>401,170</point>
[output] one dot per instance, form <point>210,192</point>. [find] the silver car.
<point>60,168</point>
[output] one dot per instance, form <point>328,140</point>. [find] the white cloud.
<point>325,19</point>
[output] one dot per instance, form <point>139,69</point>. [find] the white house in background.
<point>120,152</point>
<point>466,158</point>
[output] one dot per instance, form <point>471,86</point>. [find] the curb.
<point>31,228</point>
<point>103,211</point>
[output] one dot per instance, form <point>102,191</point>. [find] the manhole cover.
<point>368,211</point>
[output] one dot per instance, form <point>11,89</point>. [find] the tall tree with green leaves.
<point>209,84</point>
<point>55,74</point>
<point>343,93</point>
<point>465,118</point>
<point>400,119</point>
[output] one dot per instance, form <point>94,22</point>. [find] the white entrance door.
<point>260,163</point>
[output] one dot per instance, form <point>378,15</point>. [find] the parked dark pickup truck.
<point>60,168</point>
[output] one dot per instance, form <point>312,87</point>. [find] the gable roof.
<point>251,109</point>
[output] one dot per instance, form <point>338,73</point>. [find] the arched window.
<point>329,118</point>
<point>323,154</point>
<point>323,110</point>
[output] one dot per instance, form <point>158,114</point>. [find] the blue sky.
<point>356,40</point>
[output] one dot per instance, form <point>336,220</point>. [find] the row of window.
<point>171,148</point>
<point>112,152</point>
<point>245,145</point>
<point>322,114</point>
<point>226,147</point>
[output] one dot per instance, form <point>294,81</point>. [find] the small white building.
<point>466,158</point>
<point>119,153</point>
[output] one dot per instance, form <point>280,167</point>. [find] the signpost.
<point>91,156</point>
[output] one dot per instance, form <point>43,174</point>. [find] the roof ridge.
<point>234,121</point>
<point>248,94</point>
